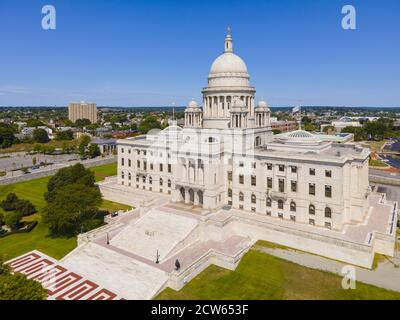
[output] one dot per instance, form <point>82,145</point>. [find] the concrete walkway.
<point>386,275</point>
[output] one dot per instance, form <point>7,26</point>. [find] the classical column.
<point>187,196</point>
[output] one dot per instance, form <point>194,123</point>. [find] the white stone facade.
<point>226,155</point>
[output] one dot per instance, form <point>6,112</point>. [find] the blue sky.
<point>139,53</point>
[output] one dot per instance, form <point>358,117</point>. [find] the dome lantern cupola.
<point>193,115</point>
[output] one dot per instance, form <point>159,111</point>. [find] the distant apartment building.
<point>82,111</point>
<point>284,126</point>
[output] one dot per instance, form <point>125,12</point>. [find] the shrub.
<point>25,207</point>
<point>9,204</point>
<point>12,219</point>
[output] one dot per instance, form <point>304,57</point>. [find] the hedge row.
<point>28,228</point>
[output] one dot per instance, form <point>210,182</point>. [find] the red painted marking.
<point>51,274</point>
<point>103,294</point>
<point>78,291</point>
<point>23,260</point>
<point>33,268</point>
<point>62,283</point>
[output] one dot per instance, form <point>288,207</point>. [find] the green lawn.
<point>261,276</point>
<point>33,190</point>
<point>104,171</point>
<point>113,206</point>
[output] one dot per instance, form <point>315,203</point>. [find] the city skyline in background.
<point>135,53</point>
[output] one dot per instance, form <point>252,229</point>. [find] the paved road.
<point>17,160</point>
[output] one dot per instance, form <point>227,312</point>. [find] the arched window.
<point>241,196</point>
<point>122,175</point>
<point>269,202</point>
<point>293,206</point>
<point>150,180</point>
<point>129,176</point>
<point>161,182</point>
<point>169,183</point>
<point>311,209</point>
<point>280,204</point>
<point>144,179</point>
<point>253,198</point>
<point>328,212</point>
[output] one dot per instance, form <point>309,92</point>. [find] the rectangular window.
<point>281,168</point>
<point>253,165</point>
<point>311,189</point>
<point>241,207</point>
<point>241,179</point>
<point>138,163</point>
<point>229,175</point>
<point>161,167</point>
<point>144,152</point>
<point>122,150</point>
<point>328,173</point>
<point>328,225</point>
<point>312,172</point>
<point>269,183</point>
<point>138,151</point>
<point>169,168</point>
<point>281,185</point>
<point>253,180</point>
<point>294,169</point>
<point>137,178</point>
<point>328,191</point>
<point>268,213</point>
<point>151,166</point>
<point>241,164</point>
<point>293,186</point>
<point>269,166</point>
<point>144,165</point>
<point>253,209</point>
<point>129,163</point>
<point>230,193</point>
<point>122,161</point>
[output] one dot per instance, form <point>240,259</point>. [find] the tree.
<point>1,221</point>
<point>80,123</point>
<point>94,151</point>
<point>34,123</point>
<point>6,136</point>
<point>25,207</point>
<point>148,124</point>
<point>72,207</point>
<point>40,135</point>
<point>83,143</point>
<point>329,129</point>
<point>12,219</point>
<point>18,286</point>
<point>10,203</point>
<point>356,131</point>
<point>34,161</point>
<point>64,135</point>
<point>66,176</point>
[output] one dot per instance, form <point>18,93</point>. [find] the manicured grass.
<point>261,276</point>
<point>113,206</point>
<point>377,163</point>
<point>33,190</point>
<point>107,170</point>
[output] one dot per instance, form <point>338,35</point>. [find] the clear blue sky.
<point>139,53</point>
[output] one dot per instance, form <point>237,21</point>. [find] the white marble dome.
<point>228,63</point>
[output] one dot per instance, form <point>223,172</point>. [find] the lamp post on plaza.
<point>158,257</point>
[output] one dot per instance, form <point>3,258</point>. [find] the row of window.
<point>144,152</point>
<point>138,164</point>
<point>281,185</point>
<point>144,179</point>
<point>293,207</point>
<point>293,169</point>
<point>328,224</point>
